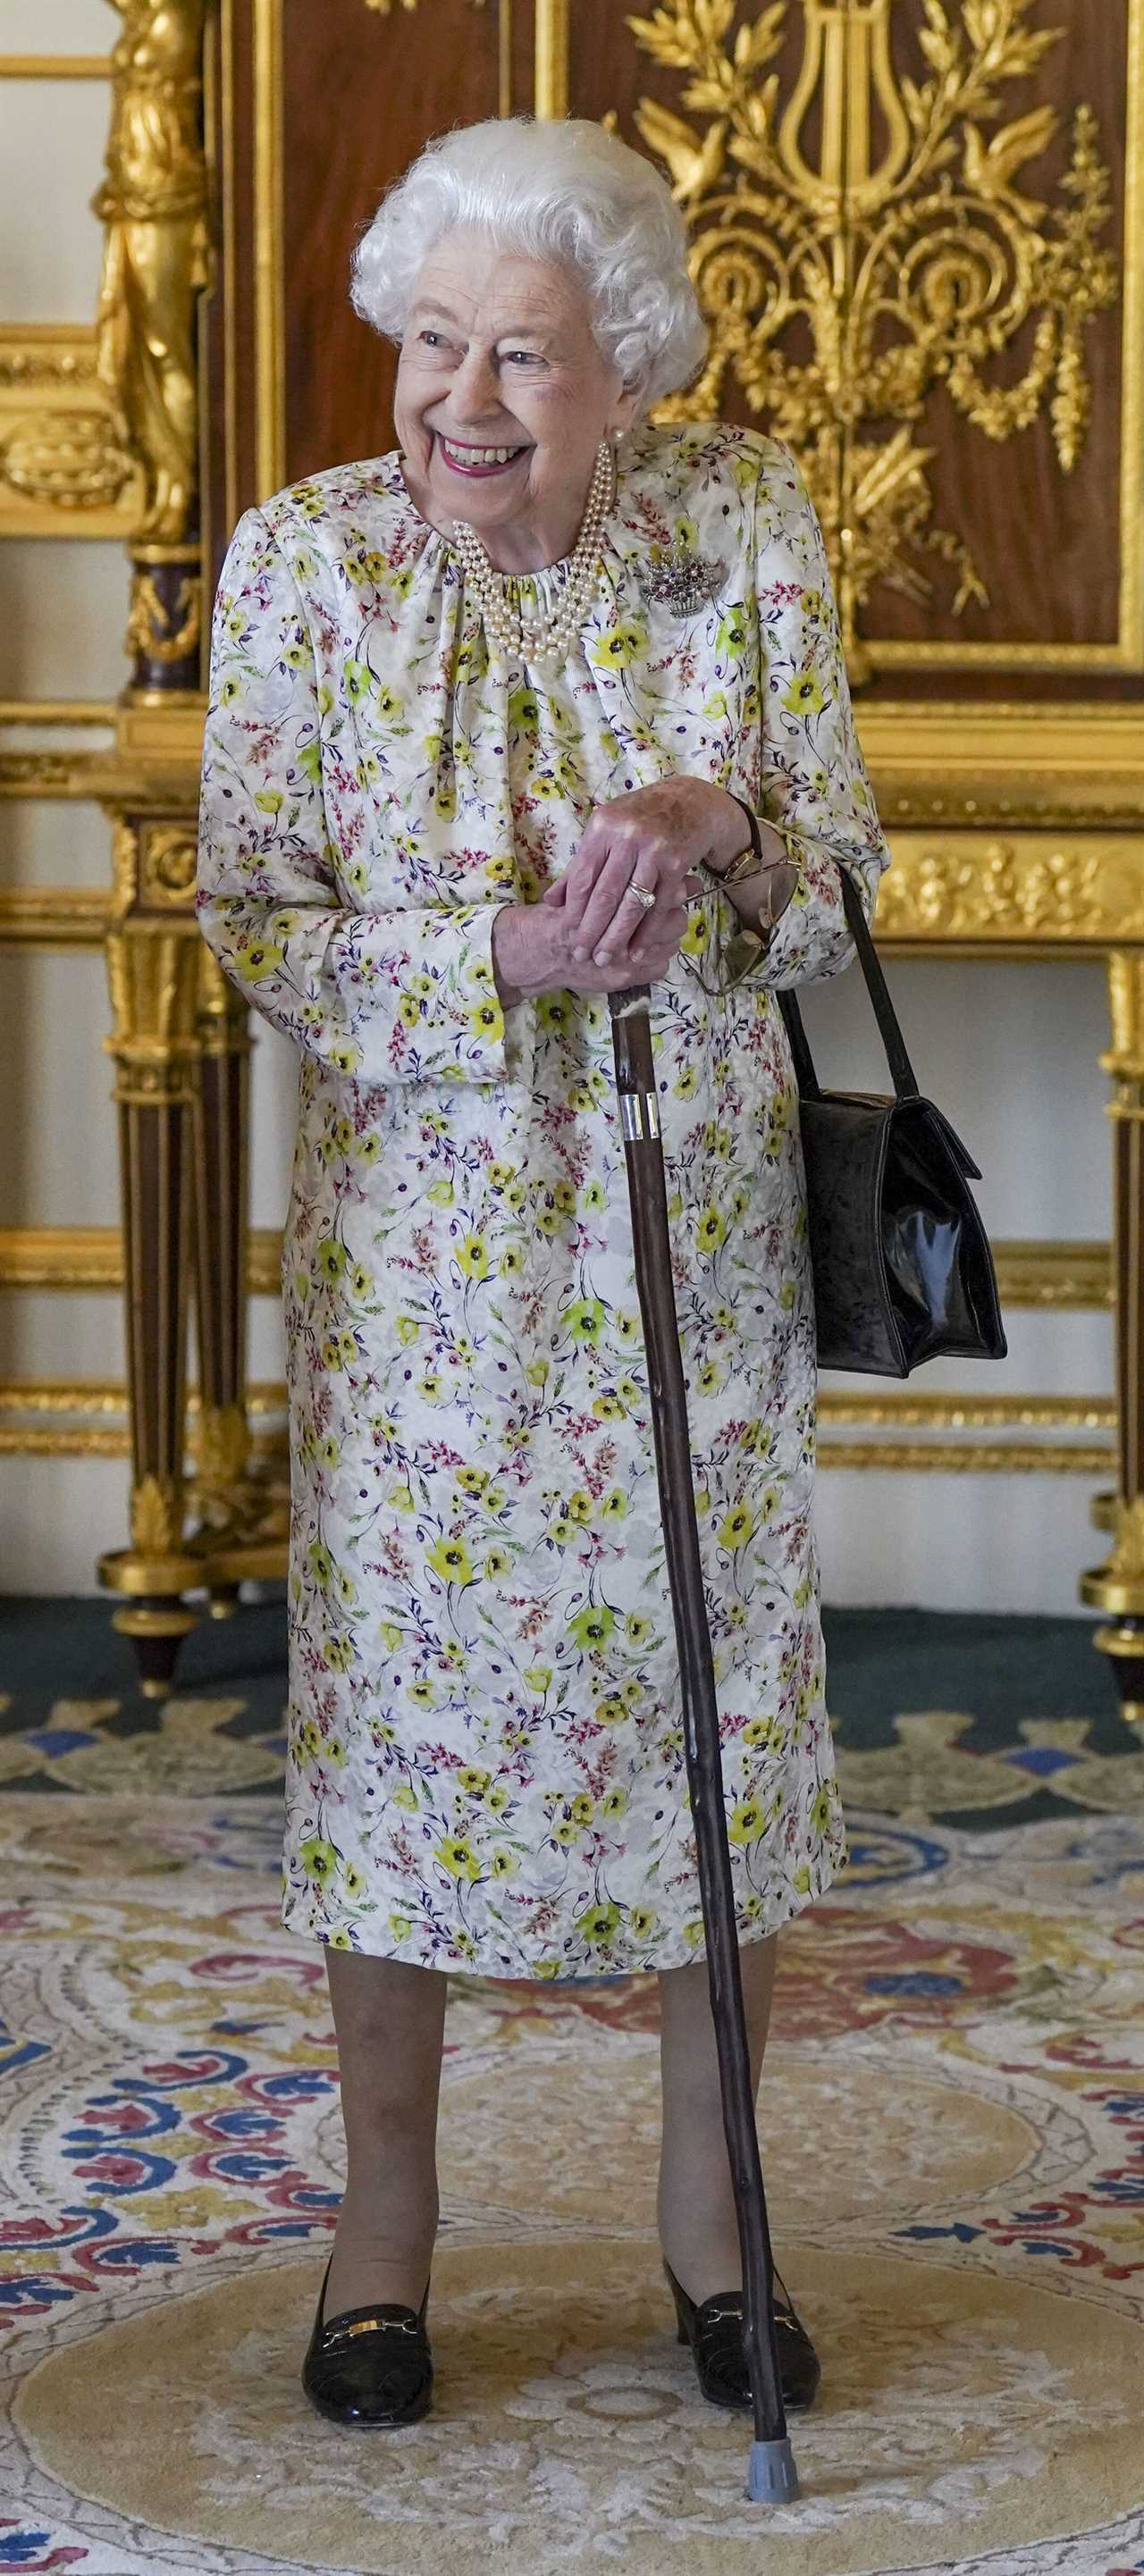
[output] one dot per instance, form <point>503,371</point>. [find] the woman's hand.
<point>533,951</point>
<point>653,838</point>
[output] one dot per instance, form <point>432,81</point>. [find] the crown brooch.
<point>684,581</point>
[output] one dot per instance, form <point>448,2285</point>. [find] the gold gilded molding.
<point>968,1412</point>
<point>269,282</point>
<point>152,203</point>
<point>55,67</point>
<point>64,469</point>
<point>1023,891</point>
<point>33,712</point>
<point>54,917</point>
<point>1117,1588</point>
<point>974,1458</point>
<point>1125,1058</point>
<point>552,57</point>
<point>152,981</point>
<point>867,199</point>
<point>167,866</point>
<point>1060,1277</point>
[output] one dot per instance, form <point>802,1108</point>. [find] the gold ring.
<point>643,894</point>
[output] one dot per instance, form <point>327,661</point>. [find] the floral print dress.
<point>486,1767</point>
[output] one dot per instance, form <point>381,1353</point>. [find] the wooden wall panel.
<point>362,94</point>
<point>313,108</point>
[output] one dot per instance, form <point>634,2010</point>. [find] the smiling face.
<point>502,399</point>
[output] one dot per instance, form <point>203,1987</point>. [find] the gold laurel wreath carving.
<point>149,624</point>
<point>153,205</point>
<point>70,459</point>
<point>923,269</point>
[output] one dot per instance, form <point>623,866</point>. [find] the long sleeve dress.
<point>486,1768</point>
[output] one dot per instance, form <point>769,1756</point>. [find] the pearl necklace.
<point>544,633</point>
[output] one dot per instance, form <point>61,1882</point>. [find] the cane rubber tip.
<point>772,2477</point>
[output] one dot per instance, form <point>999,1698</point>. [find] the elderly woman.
<point>493,722</point>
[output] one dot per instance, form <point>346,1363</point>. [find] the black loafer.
<point>714,2330</point>
<point>370,2365</point>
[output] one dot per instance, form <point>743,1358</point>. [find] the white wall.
<point>1010,1051</point>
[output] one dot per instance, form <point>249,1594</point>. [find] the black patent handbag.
<point>901,1260</point>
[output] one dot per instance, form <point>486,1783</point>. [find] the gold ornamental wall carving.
<point>920,269</point>
<point>63,466</point>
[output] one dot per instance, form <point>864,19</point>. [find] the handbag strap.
<point>901,1070</point>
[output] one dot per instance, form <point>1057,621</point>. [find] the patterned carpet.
<point>953,2116</point>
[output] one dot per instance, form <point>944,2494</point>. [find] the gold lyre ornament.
<point>901,244</point>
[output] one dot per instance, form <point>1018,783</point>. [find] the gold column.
<point>180,1037</point>
<point>153,977</point>
<point>1117,1588</point>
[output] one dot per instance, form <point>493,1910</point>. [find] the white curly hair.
<point>563,191</point>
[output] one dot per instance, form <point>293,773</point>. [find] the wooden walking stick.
<point>771,2475</point>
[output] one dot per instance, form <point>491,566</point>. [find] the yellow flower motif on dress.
<point>746,1821</point>
<point>607,1408</point>
<point>406,1797</point>
<point>614,1505</point>
<point>472,1780</point>
<point>804,696</point>
<point>472,1256</point>
<point>614,1802</point>
<point>732,635</point>
<point>496,1563</point>
<point>584,1321</point>
<point>737,1526</point>
<point>610,1711</point>
<point>619,644</point>
<point>486,1020</point>
<point>711,1231</point>
<point>581,1809</point>
<point>592,1627</point>
<point>318,1858</point>
<point>579,1507</point>
<point>599,1925</point>
<point>338,1653</point>
<point>253,963</point>
<point>538,1677</point>
<point>450,1559</point>
<point>821,1810</point>
<point>503,1864</point>
<point>458,1857</point>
